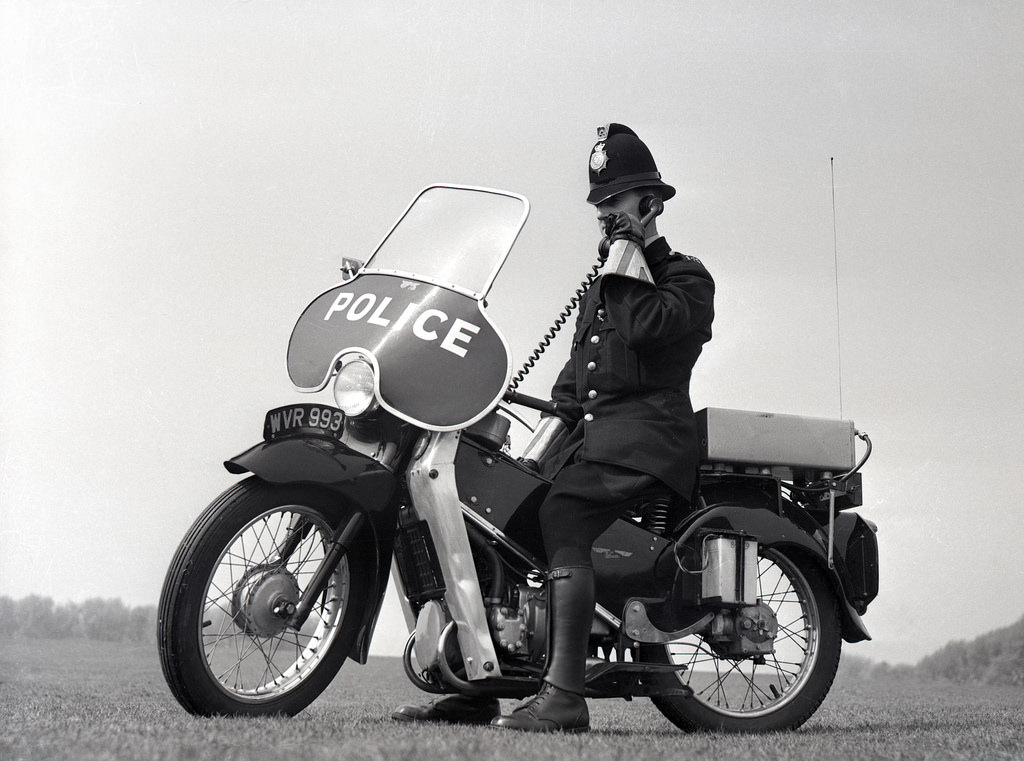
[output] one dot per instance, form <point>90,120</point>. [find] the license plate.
<point>304,419</point>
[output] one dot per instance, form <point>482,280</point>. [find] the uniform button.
<point>592,394</point>
<point>595,339</point>
<point>601,313</point>
<point>588,417</point>
<point>591,366</point>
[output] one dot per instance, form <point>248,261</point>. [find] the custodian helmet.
<point>620,161</point>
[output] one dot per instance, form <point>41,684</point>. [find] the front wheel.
<point>782,691</point>
<point>225,646</point>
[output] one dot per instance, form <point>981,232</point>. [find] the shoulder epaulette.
<point>686,258</point>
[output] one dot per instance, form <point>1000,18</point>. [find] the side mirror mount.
<point>350,267</point>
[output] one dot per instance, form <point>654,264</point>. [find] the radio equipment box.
<point>796,445</point>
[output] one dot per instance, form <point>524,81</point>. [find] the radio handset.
<point>650,207</point>
<point>623,245</point>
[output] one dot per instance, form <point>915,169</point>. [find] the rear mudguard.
<point>787,531</point>
<point>359,480</point>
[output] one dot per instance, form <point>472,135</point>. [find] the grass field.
<point>79,699</point>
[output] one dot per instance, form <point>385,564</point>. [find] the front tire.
<point>739,695</point>
<point>223,649</point>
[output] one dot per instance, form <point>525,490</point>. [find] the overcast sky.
<point>179,179</point>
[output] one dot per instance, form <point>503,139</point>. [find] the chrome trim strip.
<point>467,292</point>
<point>602,612</point>
<point>407,612</point>
<point>436,499</point>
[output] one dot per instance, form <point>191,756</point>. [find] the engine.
<point>520,628</point>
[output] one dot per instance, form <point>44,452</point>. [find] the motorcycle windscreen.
<point>440,362</point>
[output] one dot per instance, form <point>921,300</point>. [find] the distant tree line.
<point>993,658</point>
<point>110,620</point>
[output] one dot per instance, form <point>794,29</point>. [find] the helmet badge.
<point>598,159</point>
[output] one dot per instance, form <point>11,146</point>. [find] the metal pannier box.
<point>794,443</point>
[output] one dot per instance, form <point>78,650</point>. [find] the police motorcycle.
<point>728,612</point>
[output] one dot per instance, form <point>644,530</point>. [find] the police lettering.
<point>426,324</point>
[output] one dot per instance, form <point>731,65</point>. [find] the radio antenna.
<point>835,264</point>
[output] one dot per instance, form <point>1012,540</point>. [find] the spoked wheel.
<point>226,645</point>
<point>745,695</point>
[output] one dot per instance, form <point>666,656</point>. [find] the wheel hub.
<point>264,600</point>
<point>748,631</point>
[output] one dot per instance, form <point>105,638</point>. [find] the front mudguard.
<point>356,478</point>
<point>784,532</point>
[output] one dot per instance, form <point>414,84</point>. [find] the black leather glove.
<point>620,225</point>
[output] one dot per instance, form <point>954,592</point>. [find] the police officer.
<point>623,395</point>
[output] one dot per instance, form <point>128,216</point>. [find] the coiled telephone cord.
<point>557,325</point>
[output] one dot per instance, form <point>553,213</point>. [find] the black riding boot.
<point>560,705</point>
<point>453,709</point>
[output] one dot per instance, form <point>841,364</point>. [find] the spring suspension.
<point>557,325</point>
<point>655,516</point>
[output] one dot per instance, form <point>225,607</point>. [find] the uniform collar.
<point>656,249</point>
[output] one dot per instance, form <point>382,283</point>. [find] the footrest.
<point>628,680</point>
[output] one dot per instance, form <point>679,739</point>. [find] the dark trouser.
<point>585,499</point>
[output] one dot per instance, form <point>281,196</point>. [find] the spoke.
<point>210,649</point>
<point>236,666</point>
<point>268,659</point>
<point>775,594</point>
<point>221,594</point>
<point>245,555</point>
<point>780,673</point>
<point>270,536</point>
<point>296,525</point>
<point>718,683</point>
<point>755,691</point>
<point>258,536</point>
<point>306,550</point>
<point>798,637</point>
<point>750,687</point>
<point>764,698</point>
<point>252,645</point>
<point>238,560</point>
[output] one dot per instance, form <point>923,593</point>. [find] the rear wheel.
<point>783,691</point>
<point>225,646</point>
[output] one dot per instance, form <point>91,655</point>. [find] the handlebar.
<point>541,405</point>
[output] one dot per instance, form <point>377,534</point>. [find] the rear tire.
<point>737,695</point>
<point>222,648</point>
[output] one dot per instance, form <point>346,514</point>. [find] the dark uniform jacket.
<point>624,393</point>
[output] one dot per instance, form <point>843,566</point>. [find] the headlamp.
<point>354,388</point>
